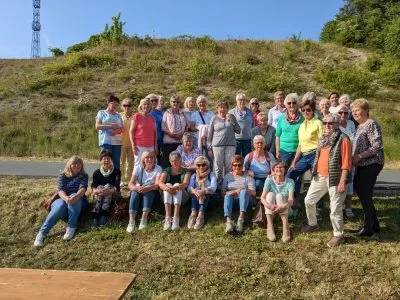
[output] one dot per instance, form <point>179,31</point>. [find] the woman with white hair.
<point>143,186</point>
<point>244,117</point>
<point>188,151</point>
<point>258,162</point>
<point>202,119</point>
<point>267,131</point>
<point>188,110</point>
<point>279,109</point>
<point>202,185</point>
<point>173,183</point>
<point>324,105</point>
<point>143,132</point>
<point>287,137</point>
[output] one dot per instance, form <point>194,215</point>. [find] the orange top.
<point>322,164</point>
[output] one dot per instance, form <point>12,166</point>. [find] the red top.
<point>145,130</point>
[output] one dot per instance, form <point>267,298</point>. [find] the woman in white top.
<point>143,184</point>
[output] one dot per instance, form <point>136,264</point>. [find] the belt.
<point>309,152</point>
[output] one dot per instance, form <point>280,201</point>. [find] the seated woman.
<point>237,186</point>
<point>106,186</point>
<point>143,185</point>
<point>258,162</point>
<point>188,151</point>
<point>277,198</point>
<point>202,185</point>
<point>72,185</point>
<point>173,182</point>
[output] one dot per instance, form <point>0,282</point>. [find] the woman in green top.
<point>287,138</point>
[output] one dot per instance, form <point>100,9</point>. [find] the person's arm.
<point>272,148</point>
<point>132,134</point>
<point>346,163</point>
<point>277,147</point>
<point>235,124</point>
<point>82,189</point>
<point>210,137</point>
<point>162,181</point>
<point>164,125</point>
<point>278,133</point>
<point>269,122</point>
<point>132,183</point>
<point>213,184</point>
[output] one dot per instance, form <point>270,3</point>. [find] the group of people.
<point>243,154</point>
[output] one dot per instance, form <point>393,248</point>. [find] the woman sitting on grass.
<point>202,185</point>
<point>277,198</point>
<point>143,185</point>
<point>173,182</point>
<point>72,185</point>
<point>106,186</point>
<point>238,186</point>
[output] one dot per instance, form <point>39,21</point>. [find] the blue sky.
<point>65,23</point>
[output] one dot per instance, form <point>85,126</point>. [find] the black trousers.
<point>167,149</point>
<point>364,182</point>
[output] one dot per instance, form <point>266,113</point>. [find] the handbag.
<point>47,204</point>
<point>259,218</point>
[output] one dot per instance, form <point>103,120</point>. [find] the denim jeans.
<point>243,147</point>
<point>244,199</point>
<point>196,206</point>
<point>304,164</point>
<point>286,157</point>
<point>61,210</point>
<point>259,184</point>
<point>134,200</point>
<point>116,153</point>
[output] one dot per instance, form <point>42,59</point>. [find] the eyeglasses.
<point>126,105</point>
<point>343,112</point>
<point>306,110</point>
<point>329,123</point>
<point>236,165</point>
<point>254,104</point>
<point>291,103</point>
<point>201,165</point>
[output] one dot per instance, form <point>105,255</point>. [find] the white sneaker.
<point>143,224</point>
<point>199,223</point>
<point>175,224</point>
<point>229,227</point>
<point>131,227</point>
<point>39,240</point>
<point>191,222</point>
<point>69,234</point>
<point>239,225</point>
<point>167,223</point>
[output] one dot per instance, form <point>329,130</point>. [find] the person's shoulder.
<point>289,181</point>
<point>96,172</point>
<point>270,127</point>
<point>158,169</point>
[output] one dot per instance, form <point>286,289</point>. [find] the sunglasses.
<point>329,123</point>
<point>254,104</point>
<point>306,110</point>
<point>126,105</point>
<point>291,103</point>
<point>343,112</point>
<point>176,102</point>
<point>154,100</point>
<point>201,165</point>
<point>236,165</point>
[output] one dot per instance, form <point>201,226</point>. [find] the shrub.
<point>373,63</point>
<point>200,68</point>
<point>392,38</point>
<point>389,72</point>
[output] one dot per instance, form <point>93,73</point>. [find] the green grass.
<point>206,264</point>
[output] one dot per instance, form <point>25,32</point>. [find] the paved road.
<point>388,180</point>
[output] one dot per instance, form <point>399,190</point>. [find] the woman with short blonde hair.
<point>126,148</point>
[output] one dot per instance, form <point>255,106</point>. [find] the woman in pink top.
<point>174,124</point>
<point>143,132</point>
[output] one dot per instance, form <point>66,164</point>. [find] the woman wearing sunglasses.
<point>202,185</point>
<point>238,186</point>
<point>126,149</point>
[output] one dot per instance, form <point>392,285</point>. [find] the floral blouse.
<point>369,137</point>
<point>188,158</point>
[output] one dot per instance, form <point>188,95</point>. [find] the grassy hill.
<point>48,106</point>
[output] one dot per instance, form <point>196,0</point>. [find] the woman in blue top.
<point>72,185</point>
<point>277,198</point>
<point>109,124</point>
<point>202,185</point>
<point>287,138</point>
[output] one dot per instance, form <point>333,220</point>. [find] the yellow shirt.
<point>125,133</point>
<point>309,134</point>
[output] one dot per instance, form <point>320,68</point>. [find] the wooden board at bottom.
<point>55,284</point>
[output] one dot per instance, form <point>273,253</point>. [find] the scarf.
<point>326,141</point>
<point>106,173</point>
<point>293,120</point>
<point>201,178</point>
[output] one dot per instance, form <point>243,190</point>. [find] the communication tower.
<point>35,46</point>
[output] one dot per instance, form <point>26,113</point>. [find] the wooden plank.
<point>55,284</point>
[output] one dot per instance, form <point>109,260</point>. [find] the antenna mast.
<point>35,46</point>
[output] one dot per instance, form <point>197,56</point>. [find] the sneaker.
<point>69,234</point>
<point>349,213</point>
<point>239,225</point>
<point>191,222</point>
<point>39,240</point>
<point>229,227</point>
<point>286,235</point>
<point>167,223</point>
<point>143,223</point>
<point>131,227</point>
<point>175,224</point>
<point>271,235</point>
<point>335,241</point>
<point>199,223</point>
<point>309,228</point>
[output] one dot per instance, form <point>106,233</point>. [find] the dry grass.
<point>206,264</point>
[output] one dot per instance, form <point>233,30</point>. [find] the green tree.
<point>56,51</point>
